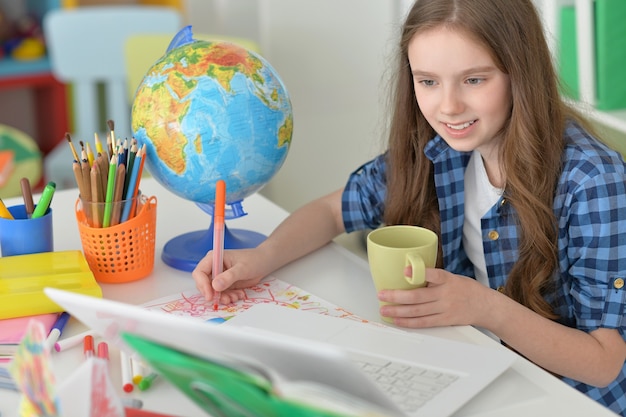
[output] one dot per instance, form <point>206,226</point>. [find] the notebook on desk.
<point>304,346</point>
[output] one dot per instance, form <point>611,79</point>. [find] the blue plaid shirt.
<point>590,206</point>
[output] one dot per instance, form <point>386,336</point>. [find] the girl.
<point>528,204</point>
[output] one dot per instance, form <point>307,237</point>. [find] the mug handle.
<point>418,277</point>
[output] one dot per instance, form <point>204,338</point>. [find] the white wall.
<point>332,56</point>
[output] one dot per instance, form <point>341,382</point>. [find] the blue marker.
<point>57,329</point>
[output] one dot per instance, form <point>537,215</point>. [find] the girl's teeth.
<point>463,126</point>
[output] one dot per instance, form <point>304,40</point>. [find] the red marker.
<point>218,235</point>
<point>103,350</point>
<point>88,350</point>
<point>127,377</point>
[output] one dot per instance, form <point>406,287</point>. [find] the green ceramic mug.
<point>390,249</point>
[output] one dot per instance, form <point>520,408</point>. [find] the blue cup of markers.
<point>23,235</point>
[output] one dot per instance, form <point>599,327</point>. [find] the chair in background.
<point>142,50</point>
<point>86,48</point>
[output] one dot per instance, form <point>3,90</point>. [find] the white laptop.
<point>302,346</point>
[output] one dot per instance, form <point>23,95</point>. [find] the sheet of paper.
<point>271,290</point>
<point>13,330</point>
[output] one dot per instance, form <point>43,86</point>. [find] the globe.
<point>211,110</point>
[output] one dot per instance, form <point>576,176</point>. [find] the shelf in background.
<point>586,60</point>
<point>10,67</point>
<point>615,119</point>
<point>49,99</point>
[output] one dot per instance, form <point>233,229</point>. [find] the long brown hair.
<point>532,140</point>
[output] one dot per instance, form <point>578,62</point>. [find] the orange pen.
<point>218,235</point>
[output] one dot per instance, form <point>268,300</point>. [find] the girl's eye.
<point>474,81</point>
<point>427,83</point>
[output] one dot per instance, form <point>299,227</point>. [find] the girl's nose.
<point>451,101</point>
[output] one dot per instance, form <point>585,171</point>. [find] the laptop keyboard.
<point>408,386</point>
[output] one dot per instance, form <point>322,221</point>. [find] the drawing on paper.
<point>269,291</point>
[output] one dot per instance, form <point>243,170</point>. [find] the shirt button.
<point>618,283</point>
<point>503,202</point>
<point>493,235</point>
<point>500,289</point>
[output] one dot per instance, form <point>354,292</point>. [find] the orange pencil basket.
<point>124,252</point>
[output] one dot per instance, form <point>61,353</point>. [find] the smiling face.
<point>460,90</point>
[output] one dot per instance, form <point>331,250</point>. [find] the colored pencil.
<point>90,155</point>
<point>69,140</point>
<point>98,143</point>
<point>78,176</point>
<point>108,198</point>
<point>96,196</point>
<point>86,170</point>
<point>4,211</point>
<point>133,185</point>
<point>129,166</point>
<point>104,169</point>
<point>118,195</point>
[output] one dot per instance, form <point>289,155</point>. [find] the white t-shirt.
<point>480,196</point>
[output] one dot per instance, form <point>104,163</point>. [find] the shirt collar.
<point>437,148</point>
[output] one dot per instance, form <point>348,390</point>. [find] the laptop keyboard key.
<point>410,387</point>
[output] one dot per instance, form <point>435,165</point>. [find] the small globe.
<point>208,111</point>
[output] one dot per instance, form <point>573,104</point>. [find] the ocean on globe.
<point>210,110</point>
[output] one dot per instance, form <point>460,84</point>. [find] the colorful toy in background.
<point>20,157</point>
<point>7,165</point>
<point>22,38</point>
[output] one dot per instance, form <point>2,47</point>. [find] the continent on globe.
<point>210,110</point>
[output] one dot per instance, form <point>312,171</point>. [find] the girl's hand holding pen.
<point>241,270</point>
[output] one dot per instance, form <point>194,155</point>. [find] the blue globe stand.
<point>185,251</point>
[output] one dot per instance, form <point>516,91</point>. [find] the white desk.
<point>332,273</point>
